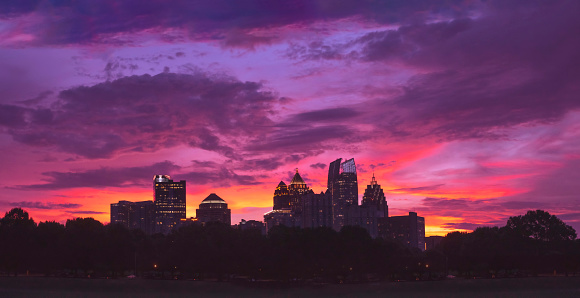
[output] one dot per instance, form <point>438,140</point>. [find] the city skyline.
<point>465,112</point>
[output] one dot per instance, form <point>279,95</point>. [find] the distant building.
<point>143,216</point>
<point>281,197</point>
<point>134,215</point>
<point>297,188</point>
<point>316,210</point>
<point>245,225</point>
<point>372,210</point>
<point>120,212</point>
<point>280,217</point>
<point>170,200</point>
<point>343,189</point>
<point>214,209</point>
<point>432,242</point>
<point>409,230</point>
<point>287,209</point>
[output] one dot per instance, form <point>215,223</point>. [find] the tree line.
<point>535,243</point>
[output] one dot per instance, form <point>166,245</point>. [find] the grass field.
<point>69,287</point>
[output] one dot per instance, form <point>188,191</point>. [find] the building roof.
<point>213,199</point>
<point>297,179</point>
<point>281,184</point>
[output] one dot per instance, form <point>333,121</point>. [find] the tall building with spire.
<point>169,200</point>
<point>287,209</point>
<point>281,197</point>
<point>343,189</point>
<point>372,212</point>
<point>375,197</point>
<point>297,189</point>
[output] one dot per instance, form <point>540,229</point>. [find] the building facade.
<point>281,197</point>
<point>297,189</point>
<point>316,210</point>
<point>134,215</point>
<point>408,229</point>
<point>214,209</point>
<point>170,201</point>
<point>343,189</point>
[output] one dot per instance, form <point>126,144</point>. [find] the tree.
<point>540,225</point>
<point>16,236</point>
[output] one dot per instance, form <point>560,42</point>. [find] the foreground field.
<point>66,287</point>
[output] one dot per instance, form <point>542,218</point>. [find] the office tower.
<point>297,188</point>
<point>134,215</point>
<point>375,197</point>
<point>120,212</point>
<point>316,210</point>
<point>143,216</point>
<point>433,242</point>
<point>408,229</point>
<point>214,209</point>
<point>281,197</point>
<point>169,198</point>
<point>372,210</point>
<point>343,188</point>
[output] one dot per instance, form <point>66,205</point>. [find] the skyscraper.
<point>372,211</point>
<point>408,229</point>
<point>214,209</point>
<point>281,197</point>
<point>120,212</point>
<point>316,210</point>
<point>375,197</point>
<point>134,215</point>
<point>343,188</point>
<point>169,199</point>
<point>297,189</point>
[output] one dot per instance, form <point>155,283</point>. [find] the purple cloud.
<point>232,21</point>
<point>45,205</point>
<point>144,114</point>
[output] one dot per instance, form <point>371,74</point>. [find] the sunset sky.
<point>467,112</point>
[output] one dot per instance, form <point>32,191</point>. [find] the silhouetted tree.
<point>16,238</point>
<point>84,245</point>
<point>49,255</point>
<point>540,225</point>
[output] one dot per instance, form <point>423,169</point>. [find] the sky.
<point>467,112</point>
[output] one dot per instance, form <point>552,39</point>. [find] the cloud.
<point>85,212</point>
<point>472,77</point>
<point>122,177</point>
<point>318,166</point>
<point>45,205</point>
<point>420,188</point>
<point>103,177</point>
<point>461,226</point>
<point>144,114</point>
<point>232,21</point>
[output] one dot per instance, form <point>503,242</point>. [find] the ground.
<point>69,287</point>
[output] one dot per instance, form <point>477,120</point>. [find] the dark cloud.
<point>303,138</point>
<point>104,177</point>
<point>327,115</point>
<point>478,76</point>
<point>207,174</point>
<point>45,205</point>
<point>461,225</point>
<point>67,22</point>
<point>85,212</point>
<point>221,177</point>
<point>146,113</point>
<point>420,188</point>
<point>318,166</point>
<point>12,116</point>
